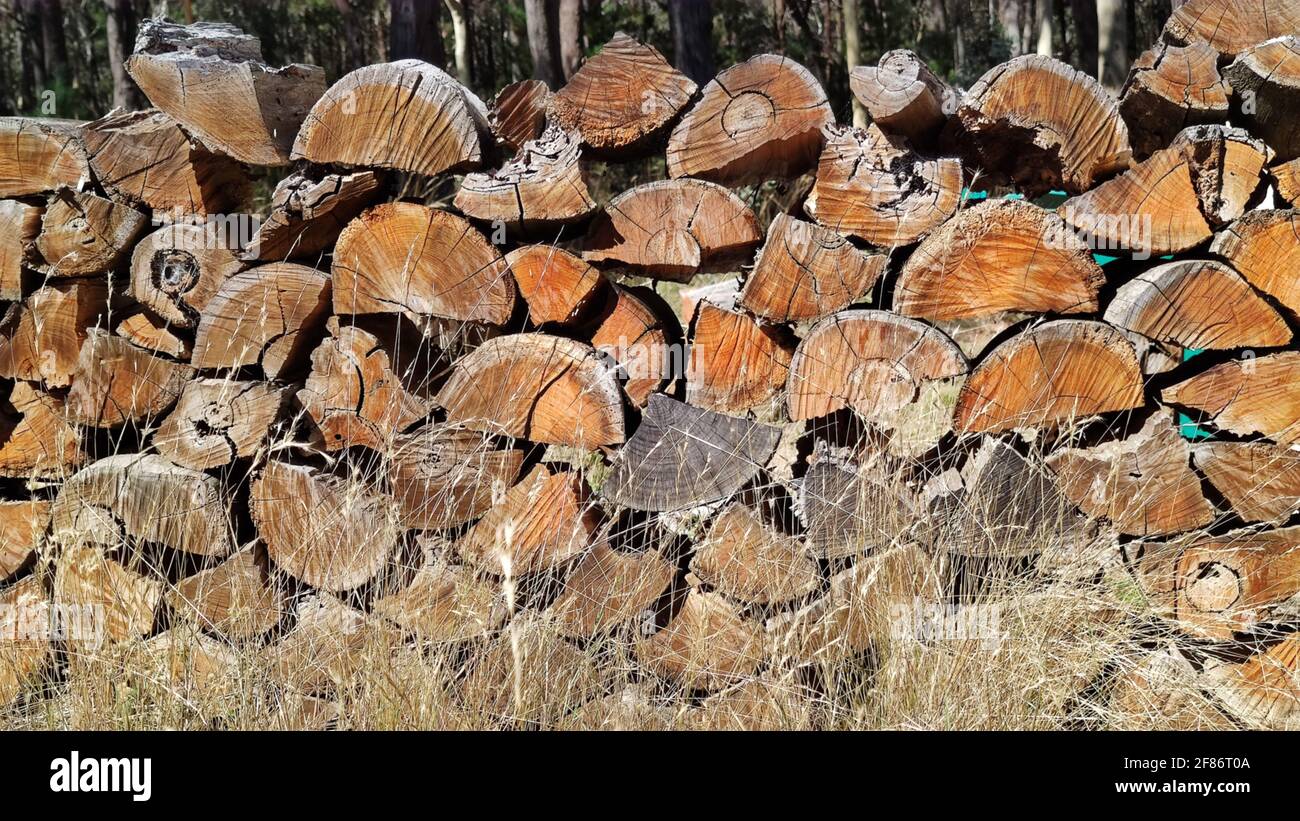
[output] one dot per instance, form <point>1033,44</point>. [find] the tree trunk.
<point>120,28</point>
<point>1112,43</point>
<point>692,26</point>
<point>1085,21</point>
<point>570,36</point>
<point>414,32</point>
<point>459,11</point>
<point>852,53</point>
<point>543,17</point>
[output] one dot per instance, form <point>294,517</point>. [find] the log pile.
<point>378,424</point>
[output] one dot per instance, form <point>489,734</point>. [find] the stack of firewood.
<point>478,426</point>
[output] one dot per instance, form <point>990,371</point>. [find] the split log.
<point>543,187</point>
<point>116,382</point>
<point>22,529</point>
<point>873,187</point>
<point>805,271</point>
<point>217,421</point>
<point>40,155</point>
<point>42,444</point>
<point>444,603</point>
<point>556,285</point>
<point>328,644</point>
<point>903,96</point>
<point>235,598</point>
<point>873,362</point>
<point>1005,505</point>
<point>1143,484</point>
<point>25,648</point>
<point>518,113</point>
<point>404,257</point>
<point>1248,396</point>
<point>763,703</point>
<point>83,234</point>
<point>706,646</point>
<point>445,476</point>
<point>41,337</point>
<point>359,393</point>
<point>1052,373</point>
<point>1173,200</point>
<point>848,510</point>
<point>405,116</point>
<point>1261,691</point>
<point>737,363</point>
<point>1040,125</point>
<point>145,157</point>
<point>1259,480</point>
<point>622,98</point>
<point>124,602</point>
<point>1286,176</point>
<point>1217,586</point>
<point>609,587</point>
<point>674,229</point>
<point>1262,247</point>
<point>20,224</point>
<point>681,456</point>
<point>638,331</point>
<point>269,316</point>
<point>211,79</point>
<point>756,121</point>
<point>997,258</point>
<point>178,269</point>
<point>143,498</point>
<point>1197,304</point>
<point>745,560</point>
<point>1168,89</point>
<point>1161,691</point>
<point>332,532</point>
<point>144,330</point>
<point>306,216</point>
<point>1231,27</point>
<point>541,388</point>
<point>190,667</point>
<point>540,524</point>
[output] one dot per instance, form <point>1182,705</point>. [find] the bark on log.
<point>518,113</point>
<point>84,234</point>
<point>178,269</point>
<point>1143,484</point>
<point>132,498</point>
<point>405,116</point>
<point>1169,89</point>
<point>236,598</point>
<point>20,225</point>
<point>622,99</point>
<point>115,382</point>
<point>805,271</point>
<point>996,258</point>
<point>1176,198</point>
<point>211,79</point>
<point>556,285</point>
<point>403,257</point>
<point>682,456</point>
<point>540,524</point>
<point>755,121</point>
<point>331,532</point>
<point>1052,373</point>
<point>41,337</point>
<point>903,96</point>
<point>745,560</point>
<point>307,216</point>
<point>873,187</point>
<point>1231,27</point>
<point>737,363</point>
<point>269,316</point>
<point>637,330</point>
<point>673,230</point>
<point>543,187</point>
<point>541,388</point>
<point>1262,247</point>
<point>22,530</point>
<point>217,421</point>
<point>445,476</point>
<point>873,362</point>
<point>706,646</point>
<point>1197,304</point>
<point>1038,124</point>
<point>145,157</point>
<point>1249,396</point>
<point>41,155</point>
<point>1261,481</point>
<point>41,445</point>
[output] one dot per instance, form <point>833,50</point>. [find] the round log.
<point>1168,89</point>
<point>444,476</point>
<point>217,421</point>
<point>177,270</point>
